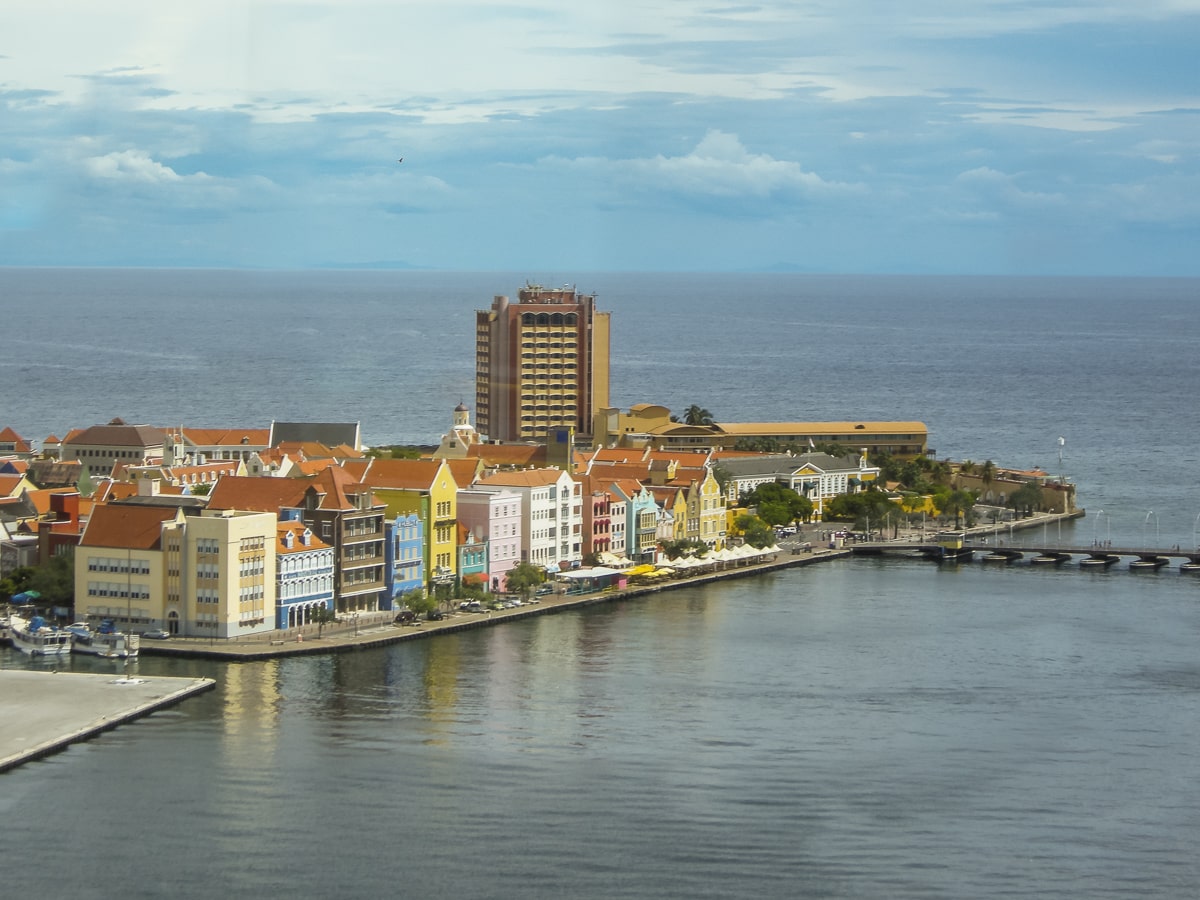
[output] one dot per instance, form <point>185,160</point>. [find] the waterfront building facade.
<point>472,558</point>
<point>540,363</point>
<point>304,574</point>
<point>120,571</point>
<point>495,516</point>
<point>405,556</point>
<point>552,514</point>
<point>426,488</point>
<point>641,519</point>
<point>145,566</point>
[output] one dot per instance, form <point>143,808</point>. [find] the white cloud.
<point>719,167</point>
<point>133,165</point>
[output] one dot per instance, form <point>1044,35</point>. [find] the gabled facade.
<point>426,488</point>
<point>406,555</point>
<point>552,514</point>
<point>341,512</point>
<point>641,519</point>
<point>495,516</point>
<point>821,477</point>
<point>12,444</point>
<point>472,558</point>
<point>305,573</point>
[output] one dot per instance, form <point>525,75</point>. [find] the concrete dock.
<point>44,712</point>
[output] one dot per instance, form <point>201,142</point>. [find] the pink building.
<point>496,518</point>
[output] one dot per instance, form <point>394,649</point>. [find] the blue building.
<point>404,556</point>
<point>304,576</point>
<point>472,558</point>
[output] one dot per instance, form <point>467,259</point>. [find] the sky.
<point>1025,137</point>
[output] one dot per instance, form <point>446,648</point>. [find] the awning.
<point>594,572</point>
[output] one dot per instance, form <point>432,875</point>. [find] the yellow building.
<point>428,489</point>
<point>154,567</point>
<point>648,424</point>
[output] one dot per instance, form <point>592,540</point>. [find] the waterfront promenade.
<point>377,630</point>
<point>369,630</point>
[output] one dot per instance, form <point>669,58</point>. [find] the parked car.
<point>156,634</point>
<point>435,615</point>
<point>544,589</point>
<point>405,617</point>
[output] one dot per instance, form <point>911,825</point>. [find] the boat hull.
<point>43,641</point>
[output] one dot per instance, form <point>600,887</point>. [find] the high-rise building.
<point>540,363</point>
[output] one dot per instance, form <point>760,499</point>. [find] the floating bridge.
<point>956,548</point>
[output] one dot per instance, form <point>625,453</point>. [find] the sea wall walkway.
<point>377,630</point>
<point>371,630</point>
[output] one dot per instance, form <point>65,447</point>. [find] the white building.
<point>551,514</point>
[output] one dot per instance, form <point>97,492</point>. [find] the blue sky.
<point>960,136</point>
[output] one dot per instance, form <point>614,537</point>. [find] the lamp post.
<point>1095,528</point>
<point>1150,513</point>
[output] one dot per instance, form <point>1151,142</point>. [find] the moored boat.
<point>35,637</point>
<point>106,641</point>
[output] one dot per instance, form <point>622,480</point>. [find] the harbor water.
<point>860,728</point>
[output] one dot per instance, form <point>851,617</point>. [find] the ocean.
<point>854,729</point>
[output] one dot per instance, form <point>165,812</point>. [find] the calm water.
<point>856,729</point>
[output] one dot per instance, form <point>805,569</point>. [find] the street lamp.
<point>1150,513</point>
<point>1096,527</point>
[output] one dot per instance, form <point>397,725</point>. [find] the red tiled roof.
<point>297,528</point>
<point>508,454</point>
<point>257,494</point>
<point>404,474</point>
<point>225,437</point>
<point>523,478</point>
<point>20,445</point>
<point>117,436</point>
<point>126,526</point>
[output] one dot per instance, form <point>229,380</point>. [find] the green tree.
<point>419,601</point>
<point>955,502</point>
<point>1025,499</point>
<point>697,415</point>
<point>778,504</point>
<point>524,577</point>
<point>200,490</point>
<point>754,531</point>
<point>323,615</point>
<point>987,474</point>
<point>866,509</point>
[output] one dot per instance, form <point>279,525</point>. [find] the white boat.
<point>37,638</point>
<point>106,642</point>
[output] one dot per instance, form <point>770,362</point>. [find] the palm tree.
<point>987,474</point>
<point>697,415</point>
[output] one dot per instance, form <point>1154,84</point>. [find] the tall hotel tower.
<point>540,363</point>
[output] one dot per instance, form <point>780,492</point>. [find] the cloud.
<point>133,165</point>
<point>718,173</point>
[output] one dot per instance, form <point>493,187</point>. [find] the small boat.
<point>106,641</point>
<point>35,637</point>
